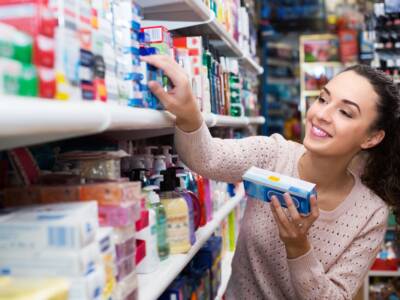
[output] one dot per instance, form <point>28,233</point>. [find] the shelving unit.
<point>384,273</point>
<point>26,121</point>
<point>29,121</point>
<point>152,285</point>
<point>373,273</point>
<point>226,274</point>
<point>195,17</point>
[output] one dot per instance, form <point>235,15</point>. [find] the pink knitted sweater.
<point>344,241</point>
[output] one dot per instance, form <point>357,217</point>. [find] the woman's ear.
<point>374,139</point>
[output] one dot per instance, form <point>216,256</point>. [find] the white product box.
<point>44,227</point>
<point>50,262</point>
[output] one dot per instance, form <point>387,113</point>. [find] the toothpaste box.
<point>55,226</point>
<point>262,184</point>
<point>50,262</point>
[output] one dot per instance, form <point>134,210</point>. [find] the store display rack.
<point>373,273</point>
<point>152,285</point>
<point>192,15</point>
<point>28,121</point>
<point>384,273</point>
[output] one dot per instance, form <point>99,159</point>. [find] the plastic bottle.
<point>168,156</point>
<point>161,221</point>
<point>202,199</point>
<point>177,211</point>
<point>138,172</point>
<point>149,234</point>
<point>159,164</point>
<point>189,200</point>
<point>149,159</point>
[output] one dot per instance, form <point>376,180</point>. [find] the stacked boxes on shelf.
<point>126,30</point>
<point>90,50</point>
<point>54,240</point>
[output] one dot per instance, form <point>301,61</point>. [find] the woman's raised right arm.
<point>218,159</point>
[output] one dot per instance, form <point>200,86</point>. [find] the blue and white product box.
<point>43,227</point>
<point>50,262</point>
<point>262,184</point>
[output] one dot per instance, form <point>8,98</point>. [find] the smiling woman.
<point>280,253</point>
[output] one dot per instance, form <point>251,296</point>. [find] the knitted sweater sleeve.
<point>344,278</point>
<point>225,159</point>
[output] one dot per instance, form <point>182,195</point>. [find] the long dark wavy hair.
<point>382,169</point>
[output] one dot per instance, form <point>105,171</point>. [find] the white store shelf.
<point>28,121</point>
<point>226,271</point>
<point>151,286</point>
<point>129,118</point>
<point>384,273</point>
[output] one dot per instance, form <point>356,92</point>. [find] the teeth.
<point>319,132</point>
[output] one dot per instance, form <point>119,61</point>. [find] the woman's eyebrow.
<point>346,101</point>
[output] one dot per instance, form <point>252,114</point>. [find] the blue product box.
<point>135,25</point>
<point>262,184</point>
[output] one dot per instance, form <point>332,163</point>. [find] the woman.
<point>281,254</point>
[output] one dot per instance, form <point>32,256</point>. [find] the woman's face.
<point>338,123</point>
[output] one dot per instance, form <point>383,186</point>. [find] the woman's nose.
<point>324,113</point>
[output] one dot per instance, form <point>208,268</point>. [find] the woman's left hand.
<point>293,228</point>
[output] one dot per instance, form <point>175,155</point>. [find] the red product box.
<point>143,222</point>
<point>385,265</point>
<point>25,165</point>
<point>43,51</point>
<point>47,83</point>
<point>157,34</point>
<point>31,16</point>
<point>195,46</point>
<point>140,251</point>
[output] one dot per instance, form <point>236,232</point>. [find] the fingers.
<point>162,95</point>
<point>294,214</point>
<point>170,67</point>
<point>279,214</point>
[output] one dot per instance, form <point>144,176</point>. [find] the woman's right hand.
<point>180,100</point>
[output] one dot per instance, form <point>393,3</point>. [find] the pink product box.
<point>125,249</point>
<point>119,215</point>
<point>125,267</point>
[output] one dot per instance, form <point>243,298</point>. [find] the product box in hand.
<point>57,226</point>
<point>262,184</point>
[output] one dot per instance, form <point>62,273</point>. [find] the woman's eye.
<point>345,113</point>
<point>321,100</point>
